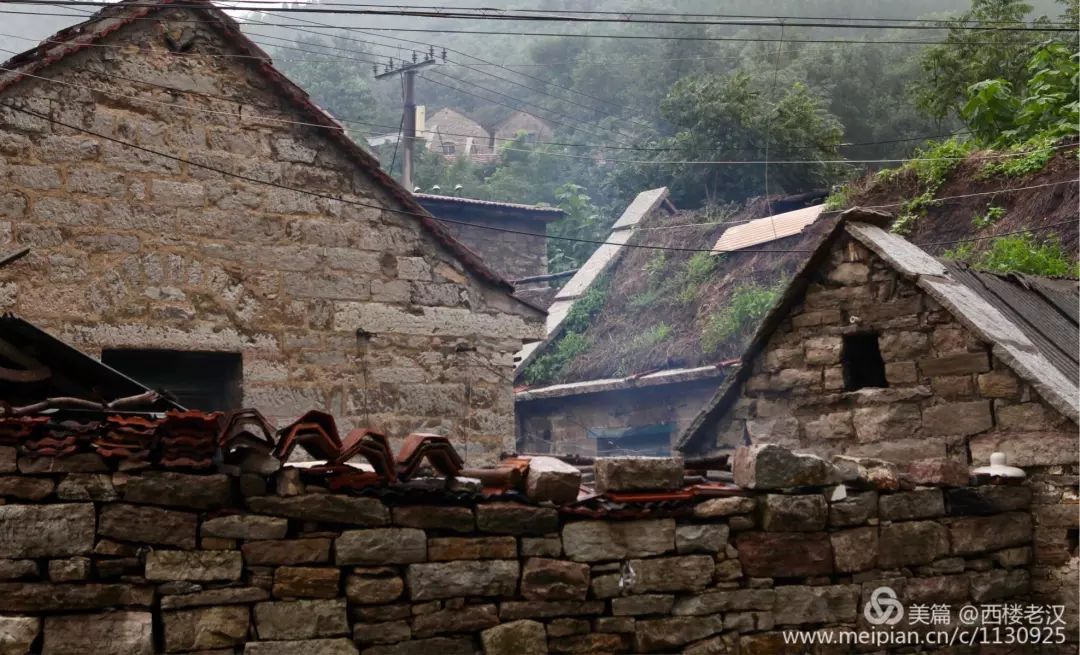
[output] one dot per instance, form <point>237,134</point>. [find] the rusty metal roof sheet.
<point>764,230</point>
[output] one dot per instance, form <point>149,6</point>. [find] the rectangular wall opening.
<point>862,362</point>
<point>208,381</point>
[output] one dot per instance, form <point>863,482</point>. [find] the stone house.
<point>200,224</point>
<point>509,237</point>
<point>452,133</point>
<point>878,349</point>
<point>534,128</point>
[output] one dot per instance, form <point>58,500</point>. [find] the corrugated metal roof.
<point>424,198</point>
<point>1044,309</point>
<point>763,230</point>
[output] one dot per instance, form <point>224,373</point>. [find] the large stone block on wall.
<point>911,542</point>
<point>768,466</point>
<point>466,578</point>
<point>194,565</point>
<point>638,473</point>
<point>150,525</point>
<point>987,499</point>
<point>205,628</point>
<point>666,574</point>
<point>855,549</point>
<point>314,550</point>
<point>330,508</point>
<point>1026,448</point>
<point>733,600</point>
<point>885,422</point>
<point>919,504</point>
<point>249,527</point>
<point>17,633</point>
<point>985,533</point>
<point>111,633</point>
<point>701,538</point>
<point>463,619</point>
<point>514,518</point>
<point>178,490</point>
<point>46,530</point>
<point>958,418</point>
<point>301,619</point>
<point>551,479</point>
<point>595,541</point>
<point>43,597</point>
<point>381,546</point>
<point>784,554</point>
<point>445,549</point>
<point>669,634</point>
<point>303,647</point>
<point>552,579</point>
<point>956,364</point>
<point>435,517</point>
<point>515,638</point>
<point>828,604</point>
<point>794,513</point>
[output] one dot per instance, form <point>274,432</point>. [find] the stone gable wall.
<point>522,122</point>
<point>448,126</point>
<point>132,250</point>
<point>506,249</point>
<point>163,561</point>
<point>947,396</point>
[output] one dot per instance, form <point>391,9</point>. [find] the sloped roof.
<point>116,16</point>
<point>992,306</point>
<point>764,230</point>
<point>489,208</point>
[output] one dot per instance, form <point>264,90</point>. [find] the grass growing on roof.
<point>1021,253</point>
<point>572,342</point>
<point>747,305</point>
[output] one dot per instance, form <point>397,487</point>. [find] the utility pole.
<point>408,72</point>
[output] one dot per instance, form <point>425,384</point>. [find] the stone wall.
<point>449,126</point>
<point>356,310</point>
<point>97,560</point>
<point>505,249</point>
<point>565,424</point>
<point>947,396</point>
<point>521,122</point>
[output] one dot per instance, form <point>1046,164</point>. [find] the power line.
<point>566,17</point>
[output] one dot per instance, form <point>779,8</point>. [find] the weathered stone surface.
<point>767,466</point>
<point>873,424</point>
<point>381,546</point>
<point>150,525</point>
<point>223,596</point>
<point>17,633</point>
<point>287,551</point>
<point>69,569</point>
<point>720,507</point>
<point>714,602</point>
<point>46,530</point>
<point>301,619</point>
<point>547,546</point>
<point>550,579</point>
<point>594,541</point>
<point>853,510</point>
<point>988,499</point>
<point>938,472</point>
<point>666,635</point>
<point>178,490</point>
<point>829,604</point>
<point>937,589</point>
<point>686,573</point>
<point>512,518</point>
<point>957,364</point>
<point>643,604</point>
<point>638,473</point>
<point>551,479</point>
<point>998,584</point>
<point>388,632</point>
<point>466,619</point>
<point>464,578</point>
<point>701,538</point>
<point>87,486</point>
<point>306,582</point>
<point>958,418</point>
<point>112,633</point>
<point>205,628</point>
<point>596,642</point>
<point>250,527</point>
<point>1026,448</point>
<point>784,554</point>
<point>22,487</point>
<point>15,569</point>
<point>445,549</point>
<point>8,459</point>
<point>911,542</point>
<point>440,645</point>
<point>542,609</point>
<point>568,627</point>
<point>435,517</point>
<point>329,508</point>
<point>42,597</point>
<point>195,565</point>
<point>856,549</point>
<point>784,513</point>
<point>868,472</point>
<point>978,534</point>
<point>515,638</point>
<point>919,504</point>
<point>305,647</point>
<point>374,586</point>
<point>77,463</point>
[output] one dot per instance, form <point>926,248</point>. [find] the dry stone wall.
<point>97,560</point>
<point>354,310</point>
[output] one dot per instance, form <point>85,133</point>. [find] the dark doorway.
<point>863,366</point>
<point>209,381</point>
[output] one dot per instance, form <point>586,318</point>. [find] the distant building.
<point>452,133</point>
<point>506,250</point>
<point>535,129</point>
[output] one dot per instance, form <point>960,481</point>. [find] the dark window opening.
<point>1072,537</point>
<point>208,381</point>
<point>862,362</point>
<point>448,148</point>
<point>646,440</point>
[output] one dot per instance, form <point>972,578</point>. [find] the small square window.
<point>448,148</point>
<point>862,362</point>
<point>208,381</point>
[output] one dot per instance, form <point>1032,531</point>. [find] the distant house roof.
<point>441,205</point>
<point>1030,322</point>
<point>35,365</point>
<point>763,230</point>
<point>116,16</point>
